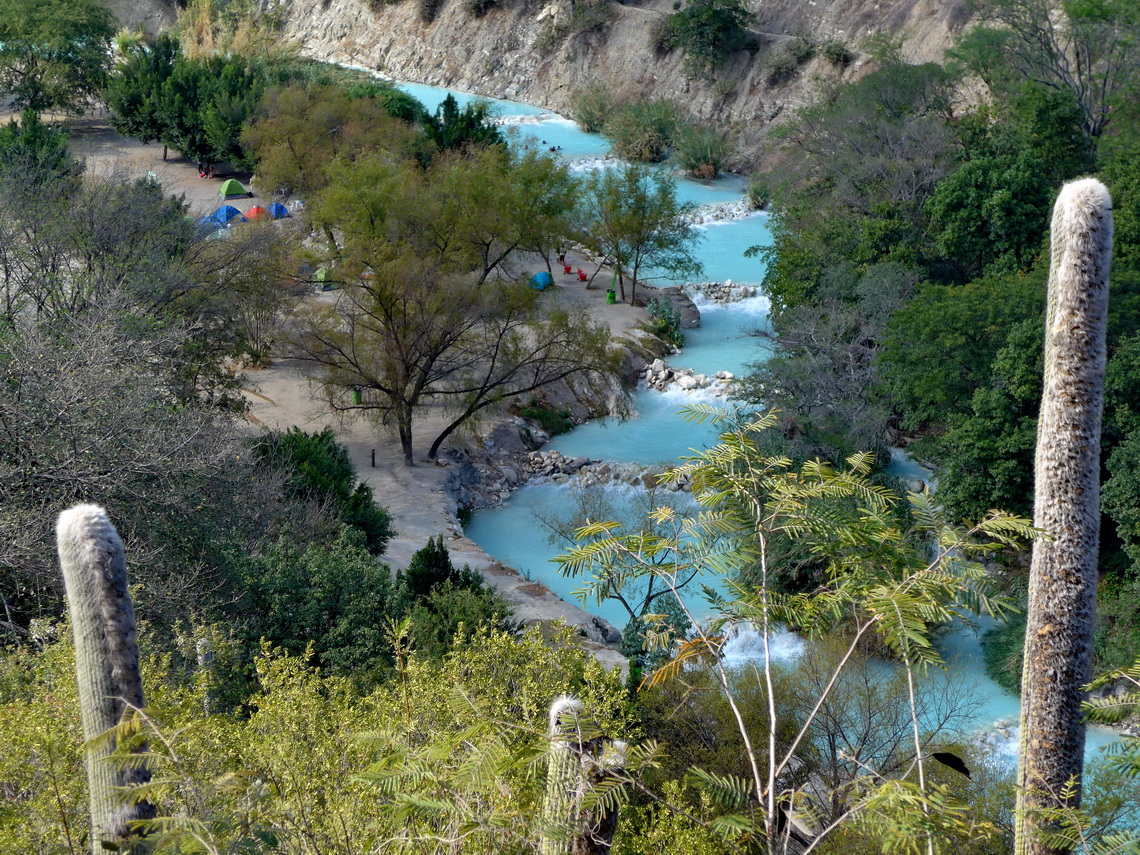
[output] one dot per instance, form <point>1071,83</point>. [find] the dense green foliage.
<point>908,273</point>
<point>201,106</point>
<point>322,472</point>
<point>709,32</point>
<point>54,54</point>
<point>665,322</point>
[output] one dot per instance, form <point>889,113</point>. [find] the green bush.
<point>837,53</point>
<point>781,68</point>
<point>785,62</point>
<point>479,8</point>
<point>431,567</point>
<point>710,31</point>
<point>428,9</point>
<point>643,130</point>
<point>701,150</point>
<point>319,470</point>
<point>759,192</point>
<point>452,608</point>
<point>663,35</point>
<point>591,106</point>
<point>334,598</point>
<point>801,49</point>
<point>549,419</point>
<point>665,321</point>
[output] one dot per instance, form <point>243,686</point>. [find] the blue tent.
<point>226,213</point>
<point>278,211</point>
<point>541,280</point>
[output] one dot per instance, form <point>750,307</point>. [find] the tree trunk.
<point>1063,576</point>
<point>164,152</point>
<point>404,429</point>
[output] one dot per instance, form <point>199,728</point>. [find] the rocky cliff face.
<point>540,54</point>
<point>515,52</point>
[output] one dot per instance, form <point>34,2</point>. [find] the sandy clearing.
<point>281,395</point>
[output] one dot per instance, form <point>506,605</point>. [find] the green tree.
<point>134,92</point>
<point>989,215</point>
<point>33,154</point>
<point>710,31</point>
<point>631,216</point>
<point>428,310</point>
<point>305,135</point>
<point>453,128</point>
<point>882,583</point>
<point>1088,48</point>
<point>331,600</point>
<point>54,54</point>
<point>939,348</point>
<point>858,170</point>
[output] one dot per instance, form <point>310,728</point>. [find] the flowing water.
<point>514,533</point>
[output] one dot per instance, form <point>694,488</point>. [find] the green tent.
<point>324,278</point>
<point>231,187</point>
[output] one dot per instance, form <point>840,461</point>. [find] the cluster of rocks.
<point>661,376</point>
<point>552,464</point>
<point>722,292</point>
<point>722,211</point>
<point>560,469</point>
<point>482,477</point>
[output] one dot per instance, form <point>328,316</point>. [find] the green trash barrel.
<point>357,397</point>
<point>611,296</point>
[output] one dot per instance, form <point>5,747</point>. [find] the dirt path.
<point>281,396</point>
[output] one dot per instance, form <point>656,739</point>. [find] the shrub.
<point>759,192</point>
<point>643,130</point>
<point>710,31</point>
<point>665,321</point>
<point>801,49</point>
<point>781,68</point>
<point>428,9</point>
<point>837,53</point>
<point>431,568</point>
<point>662,35</point>
<point>588,16</point>
<point>591,106</point>
<point>319,470</point>
<point>701,150</point>
<point>549,419</point>
<point>333,599</point>
<point>479,8</point>
<point>785,62</point>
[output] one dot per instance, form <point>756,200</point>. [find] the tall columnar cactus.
<point>106,661</point>
<point>559,810</point>
<point>579,761</point>
<point>1063,576</point>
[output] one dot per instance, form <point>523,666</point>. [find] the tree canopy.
<point>54,54</point>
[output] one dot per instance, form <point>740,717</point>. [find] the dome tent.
<point>278,211</point>
<point>231,188</point>
<point>541,280</point>
<point>225,214</point>
<point>257,213</point>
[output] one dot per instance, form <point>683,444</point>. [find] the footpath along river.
<point>513,533</point>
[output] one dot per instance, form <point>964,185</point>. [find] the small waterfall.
<point>745,646</point>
